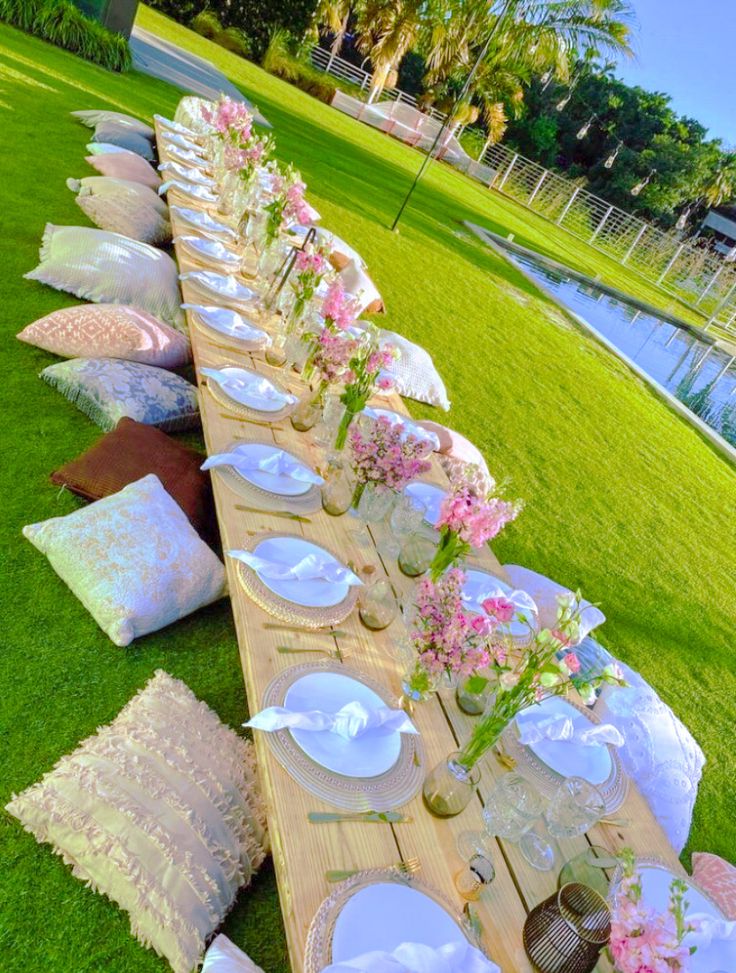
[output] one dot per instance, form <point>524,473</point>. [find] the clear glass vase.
<point>377,605</point>
<point>472,694</point>
<point>337,490</point>
<point>450,786</point>
<point>449,551</point>
<point>415,554</point>
<point>307,411</point>
<point>372,502</point>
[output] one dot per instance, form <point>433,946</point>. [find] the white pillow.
<point>660,753</point>
<point>109,268</point>
<point>189,113</point>
<point>134,193</point>
<point>341,253</point>
<point>106,148</point>
<point>94,118</point>
<point>133,560</point>
<point>358,284</point>
<point>224,956</point>
<point>159,811</point>
<point>545,593</point>
<point>414,374</point>
<point>119,214</point>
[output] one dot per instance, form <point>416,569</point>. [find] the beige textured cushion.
<point>109,268</point>
<point>414,373</point>
<point>121,209</point>
<point>134,193</point>
<point>133,560</point>
<point>109,331</point>
<point>125,165</point>
<point>95,117</point>
<point>160,811</point>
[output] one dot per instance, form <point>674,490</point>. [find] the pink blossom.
<point>501,609</point>
<point>338,309</point>
<point>385,454</point>
<point>473,518</point>
<point>572,662</point>
<point>385,383</point>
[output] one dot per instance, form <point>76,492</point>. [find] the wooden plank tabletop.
<point>302,851</point>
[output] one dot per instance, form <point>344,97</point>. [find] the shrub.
<point>234,39</point>
<point>207,23</point>
<point>63,24</point>
<point>280,60</point>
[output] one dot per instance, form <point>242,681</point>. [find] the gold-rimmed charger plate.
<point>288,611</point>
<point>384,792</point>
<point>256,496</point>
<point>614,789</point>
<point>243,411</point>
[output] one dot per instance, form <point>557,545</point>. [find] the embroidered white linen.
<point>419,958</point>
<point>351,721</point>
<point>414,373</point>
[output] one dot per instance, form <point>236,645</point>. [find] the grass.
<point>622,497</point>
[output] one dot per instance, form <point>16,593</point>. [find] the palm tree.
<point>386,30</point>
<point>721,185</point>
<point>334,15</point>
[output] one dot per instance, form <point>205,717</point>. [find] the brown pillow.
<point>133,450</point>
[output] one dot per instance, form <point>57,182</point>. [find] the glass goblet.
<point>512,807</point>
<point>574,808</point>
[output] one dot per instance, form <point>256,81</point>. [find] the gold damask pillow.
<point>133,560</point>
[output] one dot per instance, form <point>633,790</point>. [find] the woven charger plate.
<point>238,409</point>
<point>305,503</point>
<point>387,791</point>
<point>613,790</point>
<point>288,611</point>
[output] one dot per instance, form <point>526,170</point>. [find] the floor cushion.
<point>456,453</point>
<point>160,811</point>
<point>132,559</point>
<point>93,118</point>
<point>107,389</point>
<point>123,206</point>
<point>414,374</point>
<point>223,956</point>
<point>341,253</point>
<point>109,331</point>
<point>717,877</point>
<point>545,592</point>
<point>116,133</point>
<point>660,753</point>
<point>358,284</point>
<point>109,268</point>
<point>125,165</point>
<point>131,451</point>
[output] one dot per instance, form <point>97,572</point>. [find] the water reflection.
<point>699,374</point>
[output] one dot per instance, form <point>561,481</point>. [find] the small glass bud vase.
<point>377,605</point>
<point>472,694</point>
<point>307,411</point>
<point>372,502</point>
<point>449,788</point>
<point>337,491</point>
<point>415,554</point>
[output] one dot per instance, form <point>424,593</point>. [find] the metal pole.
<point>711,282</point>
<point>601,224</point>
<point>506,174</point>
<point>568,204</point>
<point>537,188</point>
<point>446,124</point>
<point>671,263</point>
<point>633,246</point>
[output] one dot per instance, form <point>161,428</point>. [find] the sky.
<point>686,48</point>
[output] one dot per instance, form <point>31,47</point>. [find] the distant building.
<point>722,224</point>
<point>116,15</point>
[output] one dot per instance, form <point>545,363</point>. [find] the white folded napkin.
<point>203,220</point>
<point>187,174</point>
<point>258,387</point>
<point>175,138</point>
<point>351,721</point>
<point>223,284</point>
<point>278,463</point>
<point>562,729</point>
<point>175,126</point>
<point>199,192</point>
<point>709,930</point>
<point>313,567</point>
<point>521,600</point>
<point>231,322</point>
<point>418,958</point>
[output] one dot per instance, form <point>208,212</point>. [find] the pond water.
<point>700,375</point>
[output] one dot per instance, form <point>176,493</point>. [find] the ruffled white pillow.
<point>133,560</point>
<point>161,812</point>
<point>223,956</point>
<point>545,592</point>
<point>109,268</point>
<point>414,374</point>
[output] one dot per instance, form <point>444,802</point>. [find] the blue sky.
<point>685,48</point>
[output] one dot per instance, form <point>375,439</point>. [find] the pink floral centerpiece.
<point>231,120</point>
<point>288,205</point>
<point>469,518</point>
<point>642,940</point>
<point>365,374</point>
<point>310,266</point>
<point>385,456</point>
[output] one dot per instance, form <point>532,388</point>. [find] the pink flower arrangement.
<point>446,638</point>
<point>331,356</point>
<point>288,205</point>
<point>384,455</point>
<point>338,309</point>
<point>643,941</point>
<point>468,518</point>
<point>366,365</point>
<point>231,119</point>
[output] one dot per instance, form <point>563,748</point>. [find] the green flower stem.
<point>449,550</point>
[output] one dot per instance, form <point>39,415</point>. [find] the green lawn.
<point>622,497</point>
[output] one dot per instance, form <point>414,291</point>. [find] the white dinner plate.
<point>180,185</point>
<point>202,249</point>
<point>201,220</point>
<point>655,888</point>
<point>478,586</point>
<point>316,593</point>
<point>409,427</point>
<point>250,389</point>
<point>175,170</point>
<point>282,485</point>
<point>229,323</point>
<point>367,756</point>
<point>171,126</point>
<point>384,915</point>
<point>426,497</point>
<point>176,138</point>
<point>221,285</point>
<point>593,763</point>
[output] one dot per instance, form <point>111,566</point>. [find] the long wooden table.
<point>302,852</point>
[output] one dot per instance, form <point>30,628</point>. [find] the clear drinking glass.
<point>475,848</point>
<point>377,606</point>
<point>512,807</point>
<point>574,808</point>
<point>416,554</point>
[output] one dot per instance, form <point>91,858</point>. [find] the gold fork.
<point>408,867</point>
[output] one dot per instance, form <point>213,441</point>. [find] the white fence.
<point>696,275</point>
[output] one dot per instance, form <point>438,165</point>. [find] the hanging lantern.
<point>560,106</point>
<point>584,130</point>
<point>608,164</point>
<point>641,185</point>
<point>683,218</point>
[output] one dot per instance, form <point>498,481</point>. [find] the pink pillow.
<point>109,331</point>
<point>457,447</point>
<point>125,165</point>
<point>717,877</point>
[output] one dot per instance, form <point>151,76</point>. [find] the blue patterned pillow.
<point>108,389</point>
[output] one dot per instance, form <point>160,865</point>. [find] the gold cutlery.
<point>409,867</point>
<point>335,653</point>
<point>370,817</point>
<point>505,759</point>
<point>274,513</point>
<point>255,422</point>
<point>338,633</point>
<point>616,822</point>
